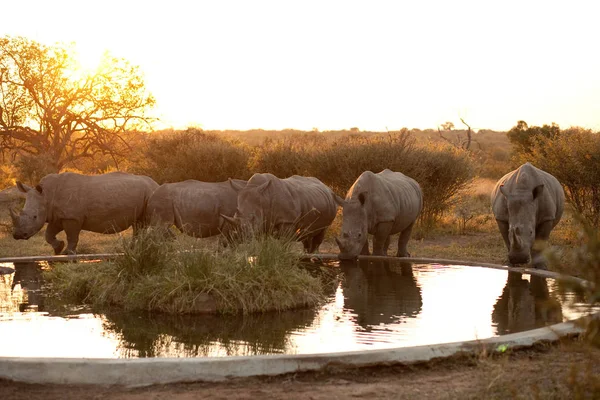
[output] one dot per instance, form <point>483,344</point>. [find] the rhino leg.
<point>386,245</point>
<point>365,249</point>
<point>72,229</point>
<point>503,227</point>
<point>382,234</point>
<point>542,233</point>
<point>315,242</point>
<point>51,231</point>
<point>403,241</point>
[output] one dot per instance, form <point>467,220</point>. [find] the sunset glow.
<point>340,64</point>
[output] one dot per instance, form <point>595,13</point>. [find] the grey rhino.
<point>194,207</point>
<point>527,204</point>
<point>379,204</point>
<point>299,204</point>
<point>72,202</point>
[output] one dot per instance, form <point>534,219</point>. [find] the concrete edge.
<point>145,372</point>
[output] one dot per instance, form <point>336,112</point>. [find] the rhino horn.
<point>232,221</point>
<point>13,216</point>
<point>516,239</point>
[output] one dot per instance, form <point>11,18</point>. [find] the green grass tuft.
<point>261,274</point>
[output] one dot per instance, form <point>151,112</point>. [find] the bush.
<point>153,274</point>
<point>440,169</point>
<point>193,154</point>
<point>573,157</point>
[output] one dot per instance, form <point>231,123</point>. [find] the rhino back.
<point>112,201</point>
<point>193,206</point>
<point>551,202</point>
<point>392,196</point>
<point>310,193</point>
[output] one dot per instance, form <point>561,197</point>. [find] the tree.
<point>523,137</point>
<point>51,109</point>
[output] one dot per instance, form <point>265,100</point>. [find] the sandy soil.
<point>569,370</point>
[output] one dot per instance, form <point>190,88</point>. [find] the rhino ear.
<point>236,185</point>
<point>362,197</point>
<point>23,187</point>
<point>338,200</point>
<point>263,187</point>
<point>38,188</point>
<point>503,191</point>
<point>538,191</point>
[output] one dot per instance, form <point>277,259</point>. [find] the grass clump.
<point>261,274</point>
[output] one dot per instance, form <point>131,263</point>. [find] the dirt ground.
<point>568,370</point>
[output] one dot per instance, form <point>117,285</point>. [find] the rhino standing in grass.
<point>301,205</point>
<point>527,204</point>
<point>194,207</point>
<point>72,202</point>
<point>379,204</point>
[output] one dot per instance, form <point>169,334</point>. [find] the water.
<point>375,306</point>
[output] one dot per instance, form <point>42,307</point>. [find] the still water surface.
<point>376,305</point>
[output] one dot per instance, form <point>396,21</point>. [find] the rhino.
<point>107,203</point>
<point>301,205</point>
<point>382,205</point>
<point>194,207</point>
<point>527,204</point>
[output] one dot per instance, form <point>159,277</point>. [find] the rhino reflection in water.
<point>380,292</point>
<point>27,277</point>
<point>525,305</point>
<point>72,202</point>
<point>527,204</point>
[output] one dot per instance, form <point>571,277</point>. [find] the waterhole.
<point>375,305</point>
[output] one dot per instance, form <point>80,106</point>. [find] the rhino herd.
<point>527,204</point>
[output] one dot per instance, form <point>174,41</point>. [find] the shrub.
<point>441,170</point>
<point>573,157</point>
<point>193,154</point>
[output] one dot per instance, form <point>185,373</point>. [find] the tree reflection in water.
<point>380,292</point>
<point>525,304</point>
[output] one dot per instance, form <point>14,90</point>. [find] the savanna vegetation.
<point>52,120</point>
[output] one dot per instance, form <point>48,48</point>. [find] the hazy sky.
<point>341,64</point>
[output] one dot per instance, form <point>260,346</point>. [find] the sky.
<point>374,65</point>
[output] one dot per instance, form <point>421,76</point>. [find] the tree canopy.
<point>523,136</point>
<point>52,109</point>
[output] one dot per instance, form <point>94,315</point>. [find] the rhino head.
<point>250,214</point>
<point>354,233</point>
<point>522,214</point>
<point>33,216</point>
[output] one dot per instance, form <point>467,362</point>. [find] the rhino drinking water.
<point>527,204</point>
<point>379,204</point>
<point>299,204</point>
<point>194,207</point>
<point>72,202</point>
